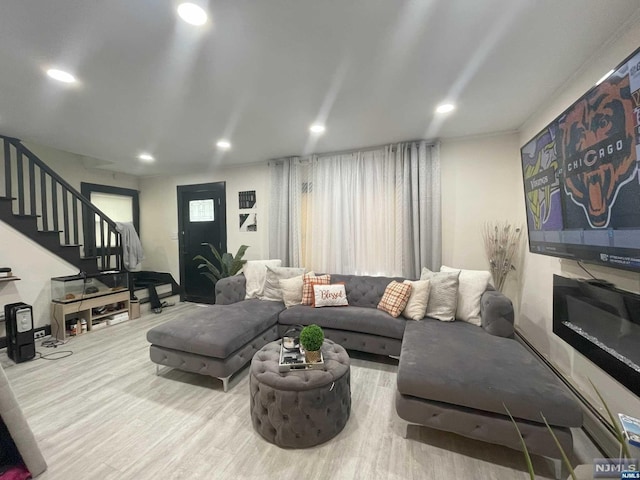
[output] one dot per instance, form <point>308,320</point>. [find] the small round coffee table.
<point>300,408</point>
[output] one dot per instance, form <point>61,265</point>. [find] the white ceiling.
<point>262,71</point>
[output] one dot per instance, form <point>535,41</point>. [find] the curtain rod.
<point>355,150</point>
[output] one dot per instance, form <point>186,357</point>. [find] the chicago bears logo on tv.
<point>596,138</point>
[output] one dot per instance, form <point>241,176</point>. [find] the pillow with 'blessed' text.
<point>329,295</point>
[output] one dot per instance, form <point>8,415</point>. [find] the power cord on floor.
<point>54,355</point>
<point>54,343</point>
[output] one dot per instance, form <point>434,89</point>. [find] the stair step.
<point>25,219</point>
<point>164,290</point>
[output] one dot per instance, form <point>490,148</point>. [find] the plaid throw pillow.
<point>395,298</point>
<point>308,281</point>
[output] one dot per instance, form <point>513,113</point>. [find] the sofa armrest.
<point>497,315</point>
<point>231,289</point>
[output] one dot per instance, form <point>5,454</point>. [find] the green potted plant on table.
<point>311,338</point>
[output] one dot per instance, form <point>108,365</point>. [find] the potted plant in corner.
<point>311,338</point>
<point>229,265</point>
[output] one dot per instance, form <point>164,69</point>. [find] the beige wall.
<point>535,318</point>
<point>481,181</point>
<point>32,263</point>
<point>76,168</point>
<point>35,266</point>
<point>159,214</point>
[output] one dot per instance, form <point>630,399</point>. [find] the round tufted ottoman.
<point>300,408</point>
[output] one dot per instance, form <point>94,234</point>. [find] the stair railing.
<point>40,192</point>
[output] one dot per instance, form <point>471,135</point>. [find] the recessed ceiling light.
<point>317,128</point>
<point>146,157</point>
<point>606,75</point>
<point>445,108</point>
<point>61,75</point>
<point>192,14</point>
<point>223,144</point>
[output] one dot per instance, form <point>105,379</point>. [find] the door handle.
<point>204,244</point>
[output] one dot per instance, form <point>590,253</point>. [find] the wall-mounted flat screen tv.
<point>581,176</point>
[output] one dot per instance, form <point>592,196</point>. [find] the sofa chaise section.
<point>216,340</point>
<point>453,376</point>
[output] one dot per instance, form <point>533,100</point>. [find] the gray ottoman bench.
<point>216,340</point>
<point>300,408</point>
<point>454,376</point>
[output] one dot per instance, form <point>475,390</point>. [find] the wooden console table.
<point>83,309</point>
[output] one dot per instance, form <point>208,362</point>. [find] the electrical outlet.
<point>39,334</point>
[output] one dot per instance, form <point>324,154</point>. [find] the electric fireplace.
<point>602,323</point>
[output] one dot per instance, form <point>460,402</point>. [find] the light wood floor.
<point>103,414</point>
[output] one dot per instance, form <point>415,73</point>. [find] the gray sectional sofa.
<point>452,376</point>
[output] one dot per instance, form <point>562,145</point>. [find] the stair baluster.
<point>44,209</point>
<point>47,206</point>
<point>7,169</point>
<point>19,169</point>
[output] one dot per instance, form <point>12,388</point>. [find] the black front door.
<point>202,219</point>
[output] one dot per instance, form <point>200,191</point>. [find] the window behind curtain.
<point>118,208</point>
<point>118,203</point>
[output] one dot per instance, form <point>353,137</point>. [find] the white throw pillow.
<point>329,295</point>
<point>291,291</point>
<point>417,305</point>
<point>272,289</point>
<point>255,271</point>
<point>473,284</point>
<point>443,296</point>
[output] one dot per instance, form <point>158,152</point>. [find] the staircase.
<point>43,206</point>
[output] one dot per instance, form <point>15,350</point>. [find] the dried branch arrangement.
<point>501,243</point>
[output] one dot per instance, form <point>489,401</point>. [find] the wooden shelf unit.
<point>83,309</point>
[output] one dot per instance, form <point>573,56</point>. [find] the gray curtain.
<point>284,211</point>
<point>418,177</point>
<point>416,223</point>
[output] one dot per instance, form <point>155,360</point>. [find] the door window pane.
<point>201,210</point>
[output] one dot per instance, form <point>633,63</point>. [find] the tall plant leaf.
<point>208,265</point>
<point>532,474</point>
<point>564,455</point>
<point>238,262</point>
<point>228,264</point>
<point>614,422</point>
<point>227,260</point>
<point>215,253</point>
